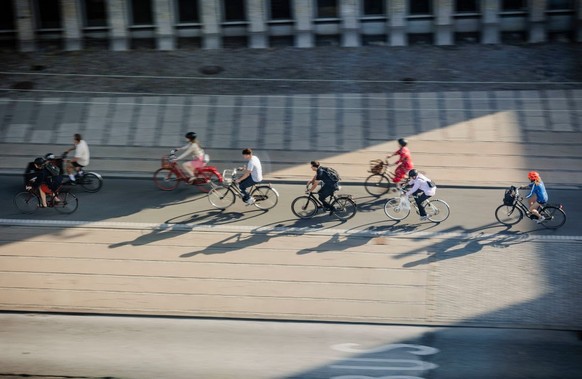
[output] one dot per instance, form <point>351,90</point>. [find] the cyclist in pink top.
<point>404,162</point>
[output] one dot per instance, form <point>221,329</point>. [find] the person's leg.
<point>54,184</point>
<point>399,174</point>
<point>420,197</point>
<point>325,192</point>
<point>72,170</point>
<point>248,182</point>
<point>533,206</point>
<point>42,196</point>
<point>188,168</point>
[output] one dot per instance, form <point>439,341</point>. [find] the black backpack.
<point>332,174</point>
<point>509,197</point>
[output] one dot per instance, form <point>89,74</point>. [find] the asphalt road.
<point>139,201</point>
<point>43,346</point>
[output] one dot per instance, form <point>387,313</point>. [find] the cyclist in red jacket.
<point>404,162</point>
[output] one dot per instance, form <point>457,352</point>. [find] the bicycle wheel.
<point>91,182</point>
<point>304,207</point>
<point>344,208</point>
<point>221,197</point>
<point>68,204</point>
<point>555,217</point>
<point>211,180</point>
<point>265,197</point>
<point>377,184</point>
<point>26,202</point>
<point>394,211</point>
<point>508,214</point>
<point>437,210</point>
<point>166,179</point>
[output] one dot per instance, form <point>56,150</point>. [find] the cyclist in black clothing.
<point>38,173</point>
<point>329,185</point>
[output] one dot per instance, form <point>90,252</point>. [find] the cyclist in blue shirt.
<point>537,195</point>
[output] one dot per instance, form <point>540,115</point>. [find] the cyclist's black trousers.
<point>420,197</point>
<point>246,183</point>
<point>325,192</point>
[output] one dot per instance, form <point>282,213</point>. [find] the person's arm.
<point>531,192</point>
<point>314,183</point>
<point>246,172</point>
<point>393,154</point>
<point>415,187</point>
<point>244,175</point>
<point>187,150</point>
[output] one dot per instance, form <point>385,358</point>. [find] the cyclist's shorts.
<point>44,188</point>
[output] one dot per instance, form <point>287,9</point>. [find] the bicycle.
<point>396,208</point>
<point>90,181</point>
<point>222,197</point>
<point>513,209</point>
<point>29,201</point>
<point>307,206</point>
<point>381,179</point>
<point>171,174</point>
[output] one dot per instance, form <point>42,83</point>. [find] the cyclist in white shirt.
<point>252,175</point>
<point>422,189</point>
<point>81,158</point>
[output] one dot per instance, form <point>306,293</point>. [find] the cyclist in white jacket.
<point>191,149</point>
<point>422,189</point>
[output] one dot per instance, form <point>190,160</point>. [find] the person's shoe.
<point>423,218</point>
<point>250,201</point>
<point>540,220</point>
<point>56,199</point>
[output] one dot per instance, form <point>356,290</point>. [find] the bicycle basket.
<point>376,166</point>
<point>166,163</point>
<point>228,176</point>
<point>509,198</point>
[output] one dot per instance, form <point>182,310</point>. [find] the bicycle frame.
<point>518,203</point>
<point>181,174</point>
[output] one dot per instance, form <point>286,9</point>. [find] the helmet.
<point>533,175</point>
<point>190,135</point>
<point>39,161</point>
<point>413,173</point>
<point>402,142</point>
<point>49,156</point>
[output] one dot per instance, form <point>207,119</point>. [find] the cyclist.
<point>329,183</point>
<point>422,189</point>
<point>191,148</point>
<point>404,162</point>
<point>37,175</point>
<point>81,158</point>
<point>537,195</point>
<point>252,174</point>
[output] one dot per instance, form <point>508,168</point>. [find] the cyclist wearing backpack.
<point>422,189</point>
<point>329,179</point>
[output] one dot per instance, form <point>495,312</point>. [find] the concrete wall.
<point>394,28</point>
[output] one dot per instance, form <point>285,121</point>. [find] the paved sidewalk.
<point>475,115</point>
<point>470,138</point>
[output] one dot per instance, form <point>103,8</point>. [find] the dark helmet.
<point>190,135</point>
<point>39,161</point>
<point>49,156</point>
<point>412,173</point>
<point>402,142</point>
